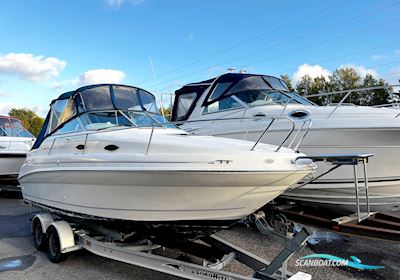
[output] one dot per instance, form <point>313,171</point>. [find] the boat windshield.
<point>251,91</point>
<point>105,106</point>
<point>13,127</point>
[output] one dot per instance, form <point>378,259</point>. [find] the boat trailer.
<point>207,257</point>
<point>196,260</point>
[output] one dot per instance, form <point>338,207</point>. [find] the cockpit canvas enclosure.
<point>231,91</point>
<point>99,106</point>
<point>13,128</point>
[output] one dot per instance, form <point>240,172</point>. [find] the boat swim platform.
<point>383,226</point>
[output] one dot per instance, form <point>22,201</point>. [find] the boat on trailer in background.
<point>15,143</point>
<point>106,156</point>
<point>239,106</point>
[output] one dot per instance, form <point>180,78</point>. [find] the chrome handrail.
<point>340,103</point>
<point>262,135</point>
<point>151,137</point>
<point>309,121</point>
<point>348,92</point>
<point>274,118</point>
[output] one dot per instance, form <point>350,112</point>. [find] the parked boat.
<point>243,103</point>
<point>15,142</point>
<point>105,154</point>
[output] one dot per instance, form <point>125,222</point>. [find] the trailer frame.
<point>72,237</point>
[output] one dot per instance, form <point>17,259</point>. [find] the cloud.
<point>361,70</point>
<point>98,76</point>
<point>5,108</point>
<point>116,4</point>
<point>312,70</point>
<point>39,110</point>
<point>26,66</point>
<point>390,55</point>
<point>379,57</point>
<point>393,75</point>
<point>90,77</point>
<point>190,36</point>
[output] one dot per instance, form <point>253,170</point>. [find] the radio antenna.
<point>156,83</point>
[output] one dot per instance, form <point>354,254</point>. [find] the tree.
<point>346,79</point>
<point>374,96</point>
<point>320,84</point>
<point>288,81</point>
<point>303,86</point>
<point>28,118</point>
<point>343,79</point>
<point>167,112</point>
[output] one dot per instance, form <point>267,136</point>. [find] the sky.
<point>50,47</point>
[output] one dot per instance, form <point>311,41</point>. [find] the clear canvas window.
<point>185,101</point>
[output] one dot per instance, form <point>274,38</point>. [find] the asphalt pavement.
<point>19,259</point>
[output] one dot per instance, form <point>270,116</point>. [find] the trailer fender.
<point>65,234</point>
<point>44,219</point>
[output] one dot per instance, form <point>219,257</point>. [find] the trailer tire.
<point>39,238</point>
<point>54,246</point>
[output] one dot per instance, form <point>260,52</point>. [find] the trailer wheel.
<point>54,247</point>
<point>39,238</point>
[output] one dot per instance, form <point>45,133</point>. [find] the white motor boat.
<point>15,143</point>
<point>105,154</point>
<point>243,102</point>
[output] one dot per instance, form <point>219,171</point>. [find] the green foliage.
<point>288,81</point>
<point>167,112</point>
<point>344,79</point>
<point>29,119</point>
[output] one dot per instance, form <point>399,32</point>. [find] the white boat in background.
<point>227,106</point>
<point>106,154</point>
<point>15,143</point>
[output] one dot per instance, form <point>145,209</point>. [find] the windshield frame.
<point>156,122</point>
<point>79,107</point>
<point>16,131</point>
<point>235,78</point>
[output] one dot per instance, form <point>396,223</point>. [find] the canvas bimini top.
<point>101,106</point>
<point>232,91</point>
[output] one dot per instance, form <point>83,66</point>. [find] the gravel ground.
<point>20,260</point>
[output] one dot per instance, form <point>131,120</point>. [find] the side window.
<point>126,98</point>
<point>2,131</point>
<point>98,120</point>
<point>227,103</point>
<point>4,122</point>
<point>249,83</point>
<point>71,126</point>
<point>68,112</point>
<point>97,98</point>
<point>219,90</point>
<point>148,101</point>
<point>276,83</point>
<point>56,110</point>
<point>16,124</point>
<point>184,103</point>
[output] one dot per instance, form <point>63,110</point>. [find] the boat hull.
<point>336,190</point>
<point>10,163</point>
<point>156,195</point>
